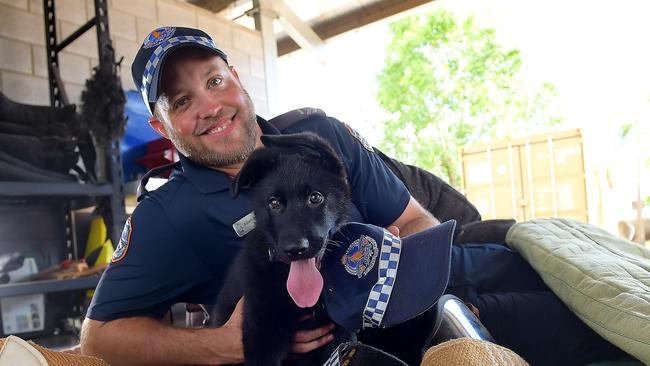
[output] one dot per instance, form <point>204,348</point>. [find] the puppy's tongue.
<point>304,283</point>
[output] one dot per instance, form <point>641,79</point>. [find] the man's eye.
<point>316,198</point>
<point>214,82</point>
<point>180,102</point>
<point>274,203</point>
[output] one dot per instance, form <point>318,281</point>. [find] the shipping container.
<point>538,176</point>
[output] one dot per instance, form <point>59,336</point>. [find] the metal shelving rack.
<point>66,197</point>
<point>46,286</point>
<point>31,189</point>
<point>58,97</point>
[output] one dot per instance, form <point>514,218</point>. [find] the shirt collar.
<point>208,180</point>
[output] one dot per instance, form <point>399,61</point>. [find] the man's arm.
<point>414,218</point>
<point>147,341</point>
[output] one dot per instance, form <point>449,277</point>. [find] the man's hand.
<point>393,230</point>
<point>308,340</point>
<point>304,341</point>
<point>235,345</point>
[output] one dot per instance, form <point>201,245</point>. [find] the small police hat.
<point>159,44</point>
<point>374,279</point>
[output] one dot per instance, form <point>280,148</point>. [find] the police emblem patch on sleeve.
<point>360,256</point>
<point>123,246</point>
<point>158,36</point>
<point>359,138</point>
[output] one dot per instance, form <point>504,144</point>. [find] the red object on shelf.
<point>159,152</point>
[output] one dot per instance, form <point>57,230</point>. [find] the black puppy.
<point>300,194</point>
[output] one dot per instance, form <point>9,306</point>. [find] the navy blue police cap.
<point>159,44</point>
<point>374,279</point>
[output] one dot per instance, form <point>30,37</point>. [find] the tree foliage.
<point>448,83</point>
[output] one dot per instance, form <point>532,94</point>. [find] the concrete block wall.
<point>23,69</point>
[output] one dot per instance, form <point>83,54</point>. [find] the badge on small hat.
<point>360,257</point>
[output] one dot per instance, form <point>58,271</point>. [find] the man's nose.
<point>210,106</point>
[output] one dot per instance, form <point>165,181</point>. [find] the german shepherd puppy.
<point>300,194</point>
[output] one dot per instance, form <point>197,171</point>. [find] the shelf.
<point>25,189</point>
<point>36,287</point>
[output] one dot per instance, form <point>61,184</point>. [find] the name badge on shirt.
<point>244,225</point>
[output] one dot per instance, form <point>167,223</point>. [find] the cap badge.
<point>158,36</point>
<point>360,256</point>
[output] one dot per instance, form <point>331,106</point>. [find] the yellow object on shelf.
<point>99,249</point>
<point>97,239</point>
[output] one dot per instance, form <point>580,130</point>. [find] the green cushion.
<point>603,279</point>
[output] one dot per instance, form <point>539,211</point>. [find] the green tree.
<point>448,83</point>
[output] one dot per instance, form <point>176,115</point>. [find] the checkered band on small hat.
<point>334,359</point>
<point>375,309</point>
<point>149,79</point>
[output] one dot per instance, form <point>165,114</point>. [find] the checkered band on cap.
<point>391,248</point>
<point>151,70</point>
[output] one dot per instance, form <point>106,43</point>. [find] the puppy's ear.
<point>308,145</point>
<point>254,169</point>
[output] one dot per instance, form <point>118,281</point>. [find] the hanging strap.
<point>142,190</point>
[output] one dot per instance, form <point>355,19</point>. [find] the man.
<point>180,240</point>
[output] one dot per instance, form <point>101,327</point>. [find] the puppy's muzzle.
<point>296,249</point>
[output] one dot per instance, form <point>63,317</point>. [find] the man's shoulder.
<point>306,119</point>
<point>162,199</point>
<point>310,120</point>
<point>338,133</point>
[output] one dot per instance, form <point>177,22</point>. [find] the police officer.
<point>179,242</point>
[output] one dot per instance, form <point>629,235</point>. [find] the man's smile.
<point>221,126</point>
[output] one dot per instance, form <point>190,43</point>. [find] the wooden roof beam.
<point>356,18</point>
<point>214,6</point>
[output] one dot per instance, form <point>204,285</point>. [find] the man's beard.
<point>201,154</point>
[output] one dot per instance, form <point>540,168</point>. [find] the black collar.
<point>208,180</point>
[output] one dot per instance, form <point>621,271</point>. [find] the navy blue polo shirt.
<point>179,242</point>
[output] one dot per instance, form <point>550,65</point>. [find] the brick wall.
<point>23,69</point>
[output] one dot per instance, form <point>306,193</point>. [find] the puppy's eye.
<point>316,198</point>
<point>274,203</point>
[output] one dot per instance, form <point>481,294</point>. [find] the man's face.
<point>206,112</point>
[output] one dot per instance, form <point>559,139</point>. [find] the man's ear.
<point>158,126</point>
<point>234,72</point>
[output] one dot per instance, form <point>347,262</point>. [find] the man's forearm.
<point>414,218</point>
<point>418,224</point>
<point>146,341</point>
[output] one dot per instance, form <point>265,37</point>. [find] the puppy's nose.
<point>296,248</point>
